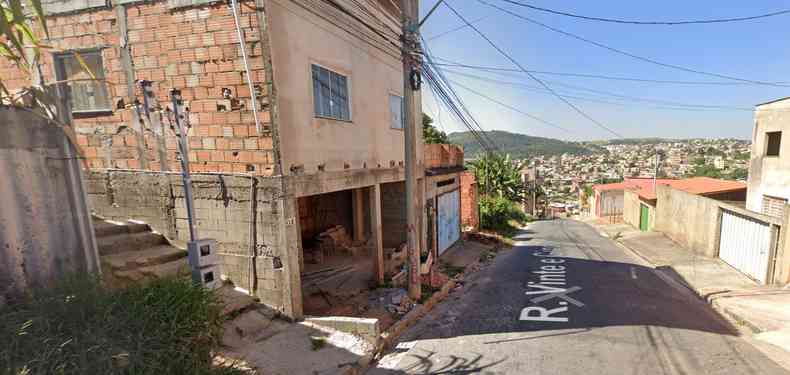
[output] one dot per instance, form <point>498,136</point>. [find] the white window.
<point>396,112</point>
<point>330,94</point>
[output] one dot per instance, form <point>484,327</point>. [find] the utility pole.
<point>655,175</point>
<point>412,110</point>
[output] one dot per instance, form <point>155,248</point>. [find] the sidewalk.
<point>762,310</point>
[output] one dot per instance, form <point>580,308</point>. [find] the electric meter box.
<point>202,253</point>
<point>207,276</point>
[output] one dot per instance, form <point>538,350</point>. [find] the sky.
<point>757,50</point>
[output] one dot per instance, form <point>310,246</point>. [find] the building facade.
<point>769,169</point>
<point>302,98</point>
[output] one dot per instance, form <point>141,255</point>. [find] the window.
<point>774,141</point>
<point>396,112</point>
<point>330,94</point>
<point>773,206</point>
<point>86,96</point>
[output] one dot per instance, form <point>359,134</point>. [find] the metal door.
<point>644,217</point>
<point>746,244</point>
<point>448,219</point>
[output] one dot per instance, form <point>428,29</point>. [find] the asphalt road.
<point>593,309</point>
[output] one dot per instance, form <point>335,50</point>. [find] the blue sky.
<point>756,50</point>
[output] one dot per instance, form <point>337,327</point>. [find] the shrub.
<point>79,327</point>
<point>497,213</point>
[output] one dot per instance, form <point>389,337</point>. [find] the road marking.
<point>633,273</point>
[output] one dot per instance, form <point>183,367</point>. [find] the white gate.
<point>746,244</point>
<point>449,219</point>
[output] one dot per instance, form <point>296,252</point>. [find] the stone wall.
<point>249,216</point>
<point>45,227</point>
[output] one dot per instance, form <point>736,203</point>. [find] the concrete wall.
<point>45,228</point>
<point>227,209</point>
<point>688,219</point>
<point>769,175</point>
<point>306,32</point>
<point>693,221</point>
<point>632,210</point>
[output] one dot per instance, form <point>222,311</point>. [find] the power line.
<point>508,106</point>
<point>454,29</point>
<point>596,76</point>
<point>454,104</point>
<point>634,22</point>
<point>667,104</point>
<point>512,60</point>
<point>624,53</point>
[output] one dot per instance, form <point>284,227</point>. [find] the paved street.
<point>568,301</point>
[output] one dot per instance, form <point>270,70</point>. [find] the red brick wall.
<point>469,208</point>
<point>443,155</point>
<point>192,49</point>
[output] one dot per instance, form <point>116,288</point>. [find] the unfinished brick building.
<point>326,151</point>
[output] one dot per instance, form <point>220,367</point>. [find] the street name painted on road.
<point>551,291</point>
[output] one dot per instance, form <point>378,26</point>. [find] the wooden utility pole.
<point>412,110</point>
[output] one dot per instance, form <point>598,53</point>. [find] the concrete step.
<point>125,242</point>
<point>148,257</point>
<point>106,229</point>
<point>177,268</point>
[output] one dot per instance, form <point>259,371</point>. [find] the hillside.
<point>520,145</point>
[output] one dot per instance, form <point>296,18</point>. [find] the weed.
<point>317,342</point>
<point>79,327</point>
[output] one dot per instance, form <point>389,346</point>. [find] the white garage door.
<point>449,219</point>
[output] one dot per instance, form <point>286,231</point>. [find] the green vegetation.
<point>79,327</point>
<point>498,175</point>
<point>522,146</point>
<point>317,343</point>
<point>429,132</point>
<point>16,36</point>
<point>501,215</point>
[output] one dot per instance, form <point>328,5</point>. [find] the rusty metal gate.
<point>746,244</point>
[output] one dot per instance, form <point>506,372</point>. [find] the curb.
<point>388,337</point>
<point>727,313</point>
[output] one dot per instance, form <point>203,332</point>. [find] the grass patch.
<point>79,327</point>
<point>317,342</point>
<point>502,216</point>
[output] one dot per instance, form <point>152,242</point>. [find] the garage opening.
<point>341,251</point>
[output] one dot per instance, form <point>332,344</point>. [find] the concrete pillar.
<point>375,229</point>
<point>358,206</point>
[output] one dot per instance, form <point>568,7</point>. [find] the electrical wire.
<point>624,53</point>
<point>516,63</point>
<point>514,109</point>
<point>452,63</point>
<point>454,29</point>
<point>639,22</point>
<point>681,107</point>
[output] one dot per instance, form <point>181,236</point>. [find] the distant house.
<point>608,200</point>
<point>769,169</point>
<point>640,200</point>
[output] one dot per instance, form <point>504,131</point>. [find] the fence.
<point>45,225</point>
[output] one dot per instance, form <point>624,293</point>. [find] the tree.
<point>498,175</point>
<point>18,41</point>
<point>429,132</point>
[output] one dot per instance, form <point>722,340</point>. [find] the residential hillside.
<point>521,146</point>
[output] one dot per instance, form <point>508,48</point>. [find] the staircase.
<point>132,253</point>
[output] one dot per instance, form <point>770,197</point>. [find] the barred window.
<point>773,206</point>
<point>330,94</point>
<point>86,95</point>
